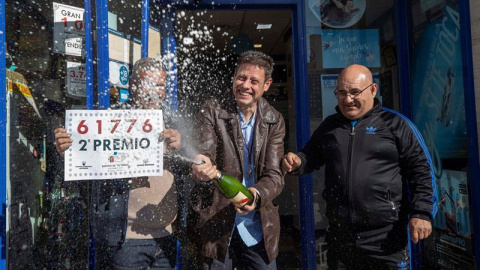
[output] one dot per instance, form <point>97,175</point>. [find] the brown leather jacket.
<point>211,216</point>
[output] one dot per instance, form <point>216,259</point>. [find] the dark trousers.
<point>242,257</point>
<point>159,253</point>
<point>379,248</point>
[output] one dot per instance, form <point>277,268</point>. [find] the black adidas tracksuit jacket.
<point>377,172</point>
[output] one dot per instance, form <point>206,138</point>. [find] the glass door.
<point>357,32</point>
<point>439,111</point>
<point>208,44</point>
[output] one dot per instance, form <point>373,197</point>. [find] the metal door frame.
<point>3,138</point>
<point>471,118</point>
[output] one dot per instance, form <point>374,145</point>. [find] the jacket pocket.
<point>382,212</point>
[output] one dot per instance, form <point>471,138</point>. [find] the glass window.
<point>341,33</point>
<point>50,219</point>
<point>43,231</point>
<point>439,112</point>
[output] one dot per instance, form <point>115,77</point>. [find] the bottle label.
<point>240,199</point>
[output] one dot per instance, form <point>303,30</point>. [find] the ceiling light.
<point>264,26</point>
<point>257,45</point>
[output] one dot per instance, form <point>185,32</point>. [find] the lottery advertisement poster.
<point>113,144</point>
<point>68,30</point>
<point>452,224</point>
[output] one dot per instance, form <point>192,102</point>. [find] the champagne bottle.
<point>233,190</point>
<point>230,187</point>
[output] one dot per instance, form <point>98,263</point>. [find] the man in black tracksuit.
<point>378,174</point>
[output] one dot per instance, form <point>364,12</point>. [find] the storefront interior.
<point>51,223</point>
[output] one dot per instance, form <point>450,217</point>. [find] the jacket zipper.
<point>349,172</point>
<point>390,199</point>
<point>394,208</point>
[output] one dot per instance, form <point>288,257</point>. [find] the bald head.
<point>357,70</point>
<point>355,91</point>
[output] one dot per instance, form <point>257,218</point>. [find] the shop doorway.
<point>208,43</point>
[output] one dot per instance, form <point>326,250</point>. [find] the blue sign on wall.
<point>437,89</point>
<point>124,95</point>
<point>123,75</point>
<point>341,48</point>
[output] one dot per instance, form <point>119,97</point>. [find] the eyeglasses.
<point>342,94</point>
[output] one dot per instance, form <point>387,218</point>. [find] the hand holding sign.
<point>62,140</point>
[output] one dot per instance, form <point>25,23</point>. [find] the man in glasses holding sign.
<point>137,215</point>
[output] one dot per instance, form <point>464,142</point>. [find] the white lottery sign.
<point>112,144</point>
<point>68,29</point>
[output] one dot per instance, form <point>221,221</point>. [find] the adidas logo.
<point>371,130</point>
<point>402,265</point>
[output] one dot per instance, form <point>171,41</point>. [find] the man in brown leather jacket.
<point>243,137</point>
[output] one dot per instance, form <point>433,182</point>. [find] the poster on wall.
<point>438,110</point>
<point>338,13</point>
<point>76,79</point>
<point>68,30</point>
<point>452,216</point>
<point>341,48</point>
<point>329,84</point>
<point>453,232</point>
<point>437,89</point>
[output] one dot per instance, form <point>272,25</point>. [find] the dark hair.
<point>143,65</point>
<point>257,58</point>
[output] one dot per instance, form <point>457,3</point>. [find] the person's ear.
<point>374,89</point>
<point>267,84</point>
